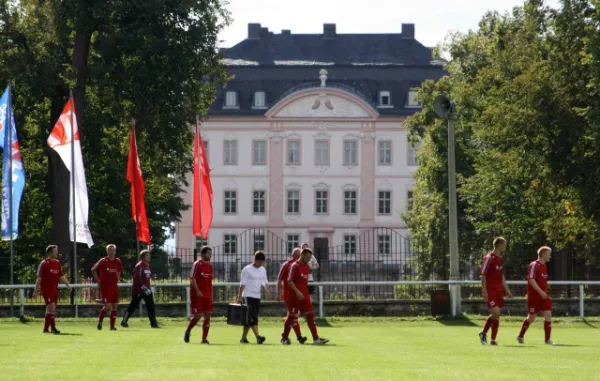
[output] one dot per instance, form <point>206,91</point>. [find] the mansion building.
<point>306,143</point>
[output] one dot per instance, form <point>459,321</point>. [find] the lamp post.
<point>445,108</point>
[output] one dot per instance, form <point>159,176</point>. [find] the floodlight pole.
<point>455,291</point>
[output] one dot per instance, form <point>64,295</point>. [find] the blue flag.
<point>12,178</point>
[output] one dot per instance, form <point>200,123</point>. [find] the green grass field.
<point>360,349</point>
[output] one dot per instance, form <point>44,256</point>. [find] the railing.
<point>320,289</point>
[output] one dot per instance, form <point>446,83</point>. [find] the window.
<point>349,202</point>
<point>385,202</point>
<point>258,202</point>
<point>230,202</point>
<point>385,99</point>
<point>412,99</point>
<point>321,197</point>
<point>293,241</point>
<point>409,200</point>
<point>293,152</point>
<point>293,201</point>
<point>259,242</point>
<point>322,152</point>
<point>259,152</point>
<point>231,99</point>
<point>384,244</point>
<point>349,244</point>
<point>385,152</point>
<point>230,152</point>
<point>350,152</point>
<point>200,242</point>
<point>260,99</point>
<point>230,244</point>
<point>412,153</point>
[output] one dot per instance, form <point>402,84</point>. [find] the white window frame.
<point>381,153</point>
<point>409,199</point>
<point>230,146</point>
<point>231,100</point>
<point>349,244</point>
<point>288,151</point>
<point>260,100</point>
<point>347,199</point>
<point>293,241</point>
<point>411,99</point>
<point>200,243</point>
<point>384,239</point>
<point>256,150</point>
<point>382,95</point>
<point>229,240</point>
<point>328,157</point>
<point>350,159</point>
<point>380,199</point>
<point>319,200</point>
<point>288,199</point>
<point>258,238</point>
<point>232,202</point>
<point>255,199</point>
<point>411,153</point>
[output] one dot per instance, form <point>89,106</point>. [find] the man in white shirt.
<point>254,277</point>
<point>314,265</point>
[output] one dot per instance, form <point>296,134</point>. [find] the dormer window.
<point>231,99</point>
<point>384,99</point>
<point>260,99</point>
<point>412,99</point>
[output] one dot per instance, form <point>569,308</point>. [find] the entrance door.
<point>321,249</point>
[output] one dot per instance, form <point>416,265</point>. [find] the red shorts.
<point>537,305</point>
<point>299,307</point>
<point>50,296</point>
<point>201,305</point>
<point>495,299</point>
<point>110,294</point>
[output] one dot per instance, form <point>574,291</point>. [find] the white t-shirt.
<point>253,279</point>
<point>313,264</point>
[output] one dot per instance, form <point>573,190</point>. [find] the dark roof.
<point>266,48</point>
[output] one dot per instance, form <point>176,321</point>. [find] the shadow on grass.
<point>323,323</point>
<point>586,322</point>
<point>461,321</point>
<point>68,334</point>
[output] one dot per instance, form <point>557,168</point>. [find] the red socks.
<point>205,328</point>
<point>47,322</point>
<point>524,327</point>
<point>113,318</point>
<point>495,326</point>
<point>192,323</point>
<point>287,326</point>
<point>101,316</point>
<point>296,327</point>
<point>310,320</point>
<point>488,324</point>
<point>52,321</point>
<point>547,329</point>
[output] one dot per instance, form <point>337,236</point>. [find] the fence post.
<point>321,312</point>
<point>22,301</point>
<point>581,301</point>
<point>76,301</point>
<point>187,302</point>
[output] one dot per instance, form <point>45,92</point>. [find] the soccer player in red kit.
<point>201,279</point>
<point>110,271</point>
<point>283,293</point>
<point>300,298</point>
<point>494,288</point>
<point>49,273</point>
<point>538,300</point>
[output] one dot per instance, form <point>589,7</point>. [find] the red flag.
<point>138,205</point>
<point>202,211</point>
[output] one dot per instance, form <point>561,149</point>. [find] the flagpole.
<point>10,202</point>
<point>74,204</point>
<point>137,238</point>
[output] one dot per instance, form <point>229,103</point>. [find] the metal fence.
<point>226,292</point>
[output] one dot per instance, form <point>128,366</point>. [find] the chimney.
<point>286,32</point>
<point>254,31</point>
<point>264,32</point>
<point>329,31</point>
<point>408,31</point>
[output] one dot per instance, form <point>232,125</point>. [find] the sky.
<point>433,19</point>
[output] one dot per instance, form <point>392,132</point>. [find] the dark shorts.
<point>253,310</point>
<point>311,289</point>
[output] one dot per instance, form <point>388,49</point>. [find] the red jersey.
<point>299,274</point>
<point>108,271</point>
<point>50,271</point>
<point>141,277</point>
<point>493,271</point>
<point>202,271</point>
<point>284,273</point>
<point>538,272</point>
